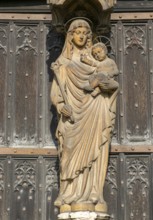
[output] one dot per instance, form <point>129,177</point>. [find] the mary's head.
<point>79,35</point>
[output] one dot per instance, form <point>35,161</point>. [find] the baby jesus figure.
<point>106,70</point>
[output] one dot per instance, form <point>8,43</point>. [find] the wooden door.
<point>28,161</point>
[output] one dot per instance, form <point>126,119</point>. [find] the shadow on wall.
<point>54,45</point>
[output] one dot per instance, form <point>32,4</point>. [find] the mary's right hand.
<point>66,110</point>
<point>93,81</point>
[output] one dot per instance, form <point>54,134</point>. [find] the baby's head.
<point>99,51</point>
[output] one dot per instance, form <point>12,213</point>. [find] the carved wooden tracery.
<point>52,180</point>
<point>25,176</point>
<point>30,37</point>
<point>1,177</point>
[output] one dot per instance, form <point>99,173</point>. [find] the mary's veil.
<point>67,51</point>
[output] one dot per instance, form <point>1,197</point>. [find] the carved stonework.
<point>105,4</point>
<point>98,11</point>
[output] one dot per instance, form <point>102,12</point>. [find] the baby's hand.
<point>83,58</point>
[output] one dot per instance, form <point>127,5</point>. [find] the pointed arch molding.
<point>98,11</point>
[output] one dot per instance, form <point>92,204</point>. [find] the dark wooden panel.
<point>52,186</point>
<point>137,5</point>
<point>29,187</point>
<point>3,80</point>
<point>137,180</point>
<point>111,188</point>
<point>150,64</point>
<point>2,189</point>
<point>23,195</point>
<point>135,16</point>
<point>136,84</point>
<point>29,183</point>
<point>26,85</point>
<point>26,81</point>
<point>120,57</point>
<point>113,55</point>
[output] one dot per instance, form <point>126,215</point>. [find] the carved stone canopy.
<point>98,11</point>
<point>106,4</point>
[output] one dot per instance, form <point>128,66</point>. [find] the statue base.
<point>85,215</point>
<point>83,207</point>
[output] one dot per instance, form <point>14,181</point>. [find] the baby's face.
<point>98,53</point>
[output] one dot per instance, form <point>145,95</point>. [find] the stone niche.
<point>98,11</point>
<point>80,74</point>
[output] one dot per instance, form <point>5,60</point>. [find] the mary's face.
<point>80,36</point>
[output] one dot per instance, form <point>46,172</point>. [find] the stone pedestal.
<point>83,216</point>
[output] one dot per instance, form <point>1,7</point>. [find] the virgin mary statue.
<point>85,123</point>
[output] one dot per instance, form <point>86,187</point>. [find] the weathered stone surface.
<point>98,11</point>
<point>84,93</point>
<point>106,4</point>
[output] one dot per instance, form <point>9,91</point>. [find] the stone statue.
<point>84,92</point>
